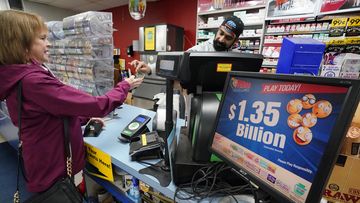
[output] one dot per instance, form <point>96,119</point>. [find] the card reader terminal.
<point>136,127</point>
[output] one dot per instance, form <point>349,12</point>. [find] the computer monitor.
<point>208,70</point>
<point>284,132</point>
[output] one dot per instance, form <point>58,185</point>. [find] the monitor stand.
<point>161,170</point>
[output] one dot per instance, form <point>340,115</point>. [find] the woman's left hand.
<point>98,120</point>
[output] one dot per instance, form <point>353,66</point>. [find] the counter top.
<point>108,142</point>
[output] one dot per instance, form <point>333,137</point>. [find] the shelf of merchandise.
<point>254,38</point>
<point>216,26</point>
<point>250,37</point>
<point>268,66</point>
<point>317,27</point>
<point>250,48</point>
<point>340,12</point>
<point>203,38</point>
<point>272,57</point>
<point>290,17</point>
<point>297,33</point>
<point>230,10</point>
<point>272,44</point>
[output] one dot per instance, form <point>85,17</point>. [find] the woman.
<point>46,100</point>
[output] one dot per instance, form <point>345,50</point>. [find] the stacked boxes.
<point>83,58</point>
<point>344,182</point>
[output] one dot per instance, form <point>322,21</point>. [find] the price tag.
<point>355,41</point>
<point>353,26</point>
<point>338,22</point>
<point>339,42</point>
<point>337,27</point>
<point>354,21</point>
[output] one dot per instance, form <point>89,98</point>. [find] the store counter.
<point>108,142</point>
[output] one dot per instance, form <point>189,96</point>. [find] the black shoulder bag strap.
<point>68,160</point>
<point>19,98</point>
<point>67,145</point>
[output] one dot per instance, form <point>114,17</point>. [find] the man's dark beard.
<point>219,46</point>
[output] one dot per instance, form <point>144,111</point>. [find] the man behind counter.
<point>224,39</point>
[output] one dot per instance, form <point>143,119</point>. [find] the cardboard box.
<point>351,146</point>
<point>344,182</point>
<point>330,70</point>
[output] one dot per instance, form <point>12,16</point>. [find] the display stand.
<point>161,170</point>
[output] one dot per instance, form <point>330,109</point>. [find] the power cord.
<point>206,182</point>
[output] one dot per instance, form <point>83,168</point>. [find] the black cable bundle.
<point>206,182</point>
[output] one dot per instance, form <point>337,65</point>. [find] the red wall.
<point>177,12</point>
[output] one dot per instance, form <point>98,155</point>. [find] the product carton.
<point>350,67</point>
<point>344,182</point>
<point>151,195</point>
<point>351,146</point>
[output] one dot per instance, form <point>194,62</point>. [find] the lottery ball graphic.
<point>294,106</point>
<point>308,101</point>
<point>294,120</point>
<point>309,120</point>
<point>302,135</point>
<point>322,109</point>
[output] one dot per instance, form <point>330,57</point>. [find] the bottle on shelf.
<point>134,192</point>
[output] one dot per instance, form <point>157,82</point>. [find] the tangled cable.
<point>206,182</point>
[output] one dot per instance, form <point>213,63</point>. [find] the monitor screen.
<point>208,70</point>
<point>283,132</point>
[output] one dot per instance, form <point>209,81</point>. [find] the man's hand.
<point>140,66</point>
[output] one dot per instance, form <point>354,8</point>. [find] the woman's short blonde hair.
<point>18,30</point>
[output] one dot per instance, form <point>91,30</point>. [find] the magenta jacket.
<point>46,101</point>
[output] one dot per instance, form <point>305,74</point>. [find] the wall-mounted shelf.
<point>273,57</point>
<point>342,12</point>
<point>249,48</point>
<point>309,16</point>
<point>217,26</point>
<point>297,33</point>
<point>250,37</point>
<point>270,44</point>
<point>230,10</point>
<point>203,38</point>
<point>268,66</point>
